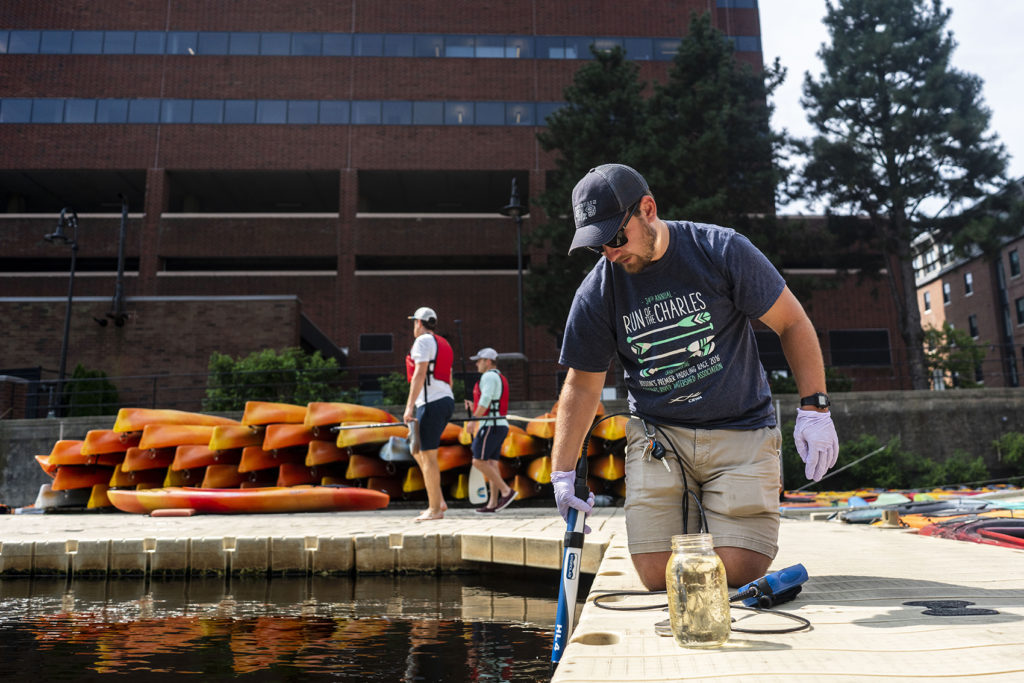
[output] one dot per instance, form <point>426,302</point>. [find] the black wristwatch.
<point>818,400</point>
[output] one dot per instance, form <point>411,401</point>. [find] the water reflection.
<point>378,628</point>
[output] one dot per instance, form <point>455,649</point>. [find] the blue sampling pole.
<point>572,561</point>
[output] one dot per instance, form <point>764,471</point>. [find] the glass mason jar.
<point>698,596</point>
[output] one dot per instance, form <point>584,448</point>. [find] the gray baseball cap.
<point>600,201</point>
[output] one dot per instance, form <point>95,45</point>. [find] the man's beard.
<point>644,255</point>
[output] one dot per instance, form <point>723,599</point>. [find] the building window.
<point>397,113</point>
<point>208,111</point>
<point>176,111</point>
<point>239,111</point>
<point>144,111</point>
<point>55,43</point>
<point>860,348</point>
<point>458,113</point>
<point>376,343</point>
<point>240,43</point>
<point>301,112</point>
<point>945,293</point>
<point>972,325</point>
<point>927,302</point>
<point>367,112</point>
<point>80,111</point>
<point>1020,310</point>
<point>47,111</point>
<point>1014,263</point>
<point>968,284</point>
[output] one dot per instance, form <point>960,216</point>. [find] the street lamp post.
<point>517,211</point>
<point>68,221</point>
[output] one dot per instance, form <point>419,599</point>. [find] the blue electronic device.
<point>773,589</point>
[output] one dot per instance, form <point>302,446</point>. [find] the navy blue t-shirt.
<point>681,329</point>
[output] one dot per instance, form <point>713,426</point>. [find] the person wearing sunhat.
<point>674,301</point>
<point>490,397</point>
<point>430,404</point>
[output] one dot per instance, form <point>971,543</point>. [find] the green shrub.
<point>286,376</point>
<point>890,468</point>
<point>1010,449</point>
<point>959,469</point>
<point>89,392</point>
<point>396,389</point>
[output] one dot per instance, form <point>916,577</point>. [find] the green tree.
<point>710,149</point>
<point>89,392</point>
<point>702,140</point>
<point>901,136</point>
<point>396,389</point>
<point>953,354</point>
<point>603,121</point>
<point>1010,451</point>
<point>286,376</point>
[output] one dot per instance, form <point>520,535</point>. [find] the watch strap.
<point>817,400</point>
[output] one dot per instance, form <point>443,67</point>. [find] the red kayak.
<point>247,501</point>
<point>1006,532</point>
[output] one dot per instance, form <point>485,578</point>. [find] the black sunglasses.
<point>619,239</point>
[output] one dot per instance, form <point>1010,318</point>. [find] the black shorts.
<point>487,442</point>
<point>432,418</point>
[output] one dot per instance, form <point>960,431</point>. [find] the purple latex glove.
<point>565,496</point>
<point>816,442</point>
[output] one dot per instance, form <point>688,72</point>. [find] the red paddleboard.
<point>296,474</point>
<point>363,435</point>
<point>362,466</point>
<point>145,478</point>
<point>265,413</point>
<point>108,441</point>
<point>542,426</point>
<point>452,457</point>
<point>255,500</point>
<point>134,419</point>
<point>80,477</point>
<point>255,458</point>
<point>228,437</point>
<point>191,457</point>
<point>519,443</point>
<point>147,459</point>
<point>167,435</point>
<point>284,435</point>
<point>220,477</point>
<point>323,452</point>
<point>323,414</point>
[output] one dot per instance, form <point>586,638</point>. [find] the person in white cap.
<point>673,300</point>
<point>490,397</point>
<point>431,403</point>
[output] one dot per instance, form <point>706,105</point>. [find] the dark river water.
<point>378,628</point>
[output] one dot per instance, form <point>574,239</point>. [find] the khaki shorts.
<point>734,473</point>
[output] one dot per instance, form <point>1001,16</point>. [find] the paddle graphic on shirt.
<point>698,349</point>
<point>688,321</point>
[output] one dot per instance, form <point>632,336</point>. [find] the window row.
<point>340,44</point>
<point>366,112</point>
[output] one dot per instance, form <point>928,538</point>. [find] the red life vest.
<point>441,365</point>
<point>499,407</point>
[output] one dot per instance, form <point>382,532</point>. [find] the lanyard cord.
<point>659,452</point>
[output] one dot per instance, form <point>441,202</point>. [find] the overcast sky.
<point>990,44</point>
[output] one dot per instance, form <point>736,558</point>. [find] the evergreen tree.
<point>711,149</point>
<point>702,141</point>
<point>602,122</point>
<point>901,135</point>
